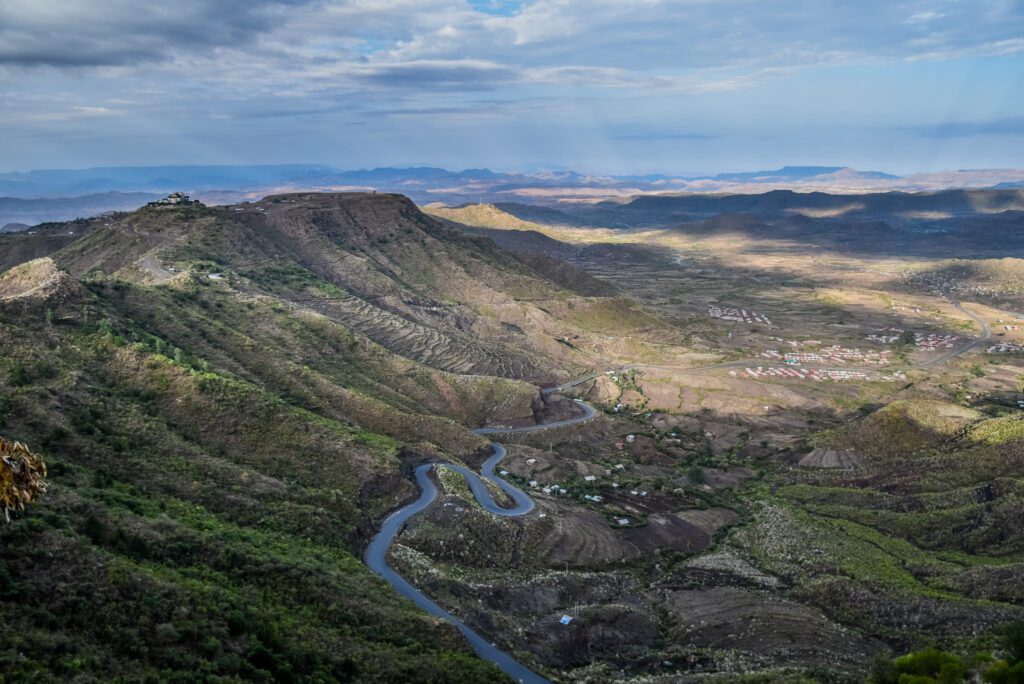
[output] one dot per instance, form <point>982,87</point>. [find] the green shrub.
<point>1004,673</point>
<point>18,374</point>
<point>929,666</point>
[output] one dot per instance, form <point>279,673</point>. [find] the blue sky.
<point>606,86</point>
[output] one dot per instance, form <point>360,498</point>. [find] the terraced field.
<point>436,345</point>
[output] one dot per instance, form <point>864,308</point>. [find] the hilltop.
<point>482,215</point>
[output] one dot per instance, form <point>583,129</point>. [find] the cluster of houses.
<point>835,355</point>
<point>559,490</point>
<point>934,341</point>
<point>816,374</point>
<point>1006,348</point>
<point>923,341</point>
<point>728,313</point>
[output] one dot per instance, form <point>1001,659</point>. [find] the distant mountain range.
<point>799,173</point>
<point>18,214</point>
<point>60,194</point>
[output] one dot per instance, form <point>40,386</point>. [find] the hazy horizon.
<point>523,169</point>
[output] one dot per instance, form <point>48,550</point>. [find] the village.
<point>815,374</point>
<point>835,354</point>
<point>584,488</point>
<point>797,373</point>
<point>728,313</point>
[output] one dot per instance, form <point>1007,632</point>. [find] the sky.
<point>600,86</point>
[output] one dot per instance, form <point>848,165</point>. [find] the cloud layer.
<point>678,71</point>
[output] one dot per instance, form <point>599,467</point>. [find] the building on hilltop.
<point>175,199</point>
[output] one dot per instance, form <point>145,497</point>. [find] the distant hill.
<point>426,184</point>
<point>152,179</point>
<point>966,223</point>
<point>29,212</point>
<point>820,204</point>
<point>481,215</point>
<point>799,173</point>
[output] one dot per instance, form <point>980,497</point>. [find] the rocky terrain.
<point>230,400</point>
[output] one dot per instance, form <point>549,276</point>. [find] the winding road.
<point>376,552</point>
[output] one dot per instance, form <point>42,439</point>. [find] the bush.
<point>930,666</point>
<point>18,374</point>
<point>1003,673</point>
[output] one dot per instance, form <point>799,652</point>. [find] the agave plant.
<point>21,477</point>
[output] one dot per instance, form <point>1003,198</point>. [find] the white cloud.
<point>165,66</point>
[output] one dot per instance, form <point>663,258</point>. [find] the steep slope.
<point>229,400</point>
<point>379,266</point>
<point>224,433</point>
<point>540,252</point>
<point>201,521</point>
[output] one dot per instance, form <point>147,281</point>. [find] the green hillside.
<point>228,404</point>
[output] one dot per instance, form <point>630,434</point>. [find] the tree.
<point>1013,641</point>
<point>21,477</point>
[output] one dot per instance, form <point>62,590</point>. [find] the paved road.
<point>986,335</point>
<point>376,556</point>
<point>377,551</point>
<point>588,413</point>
